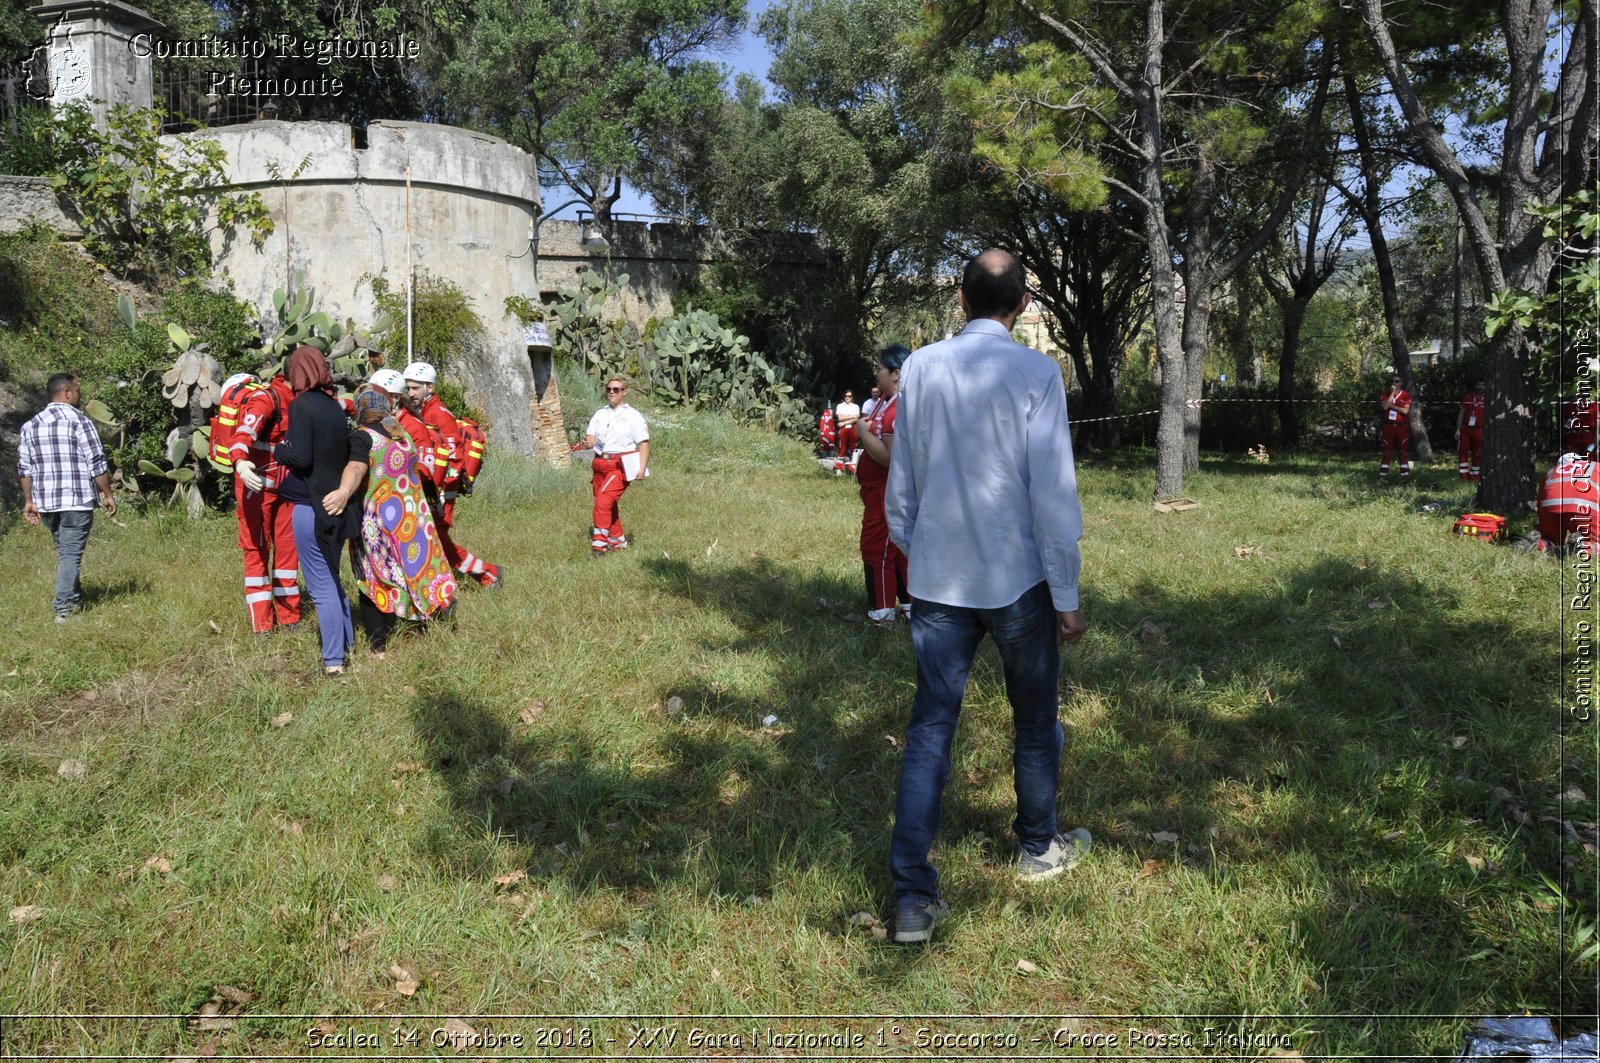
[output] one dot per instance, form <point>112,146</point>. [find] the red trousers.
<point>271,566</point>
<point>463,561</point>
<point>1470,452</point>
<point>884,563</point>
<point>1395,435</point>
<point>848,441</point>
<point>608,484</point>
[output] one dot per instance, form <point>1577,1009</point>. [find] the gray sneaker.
<point>915,918</point>
<point>1065,851</point>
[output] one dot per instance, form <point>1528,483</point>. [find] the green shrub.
<point>146,204</point>
<point>443,321</point>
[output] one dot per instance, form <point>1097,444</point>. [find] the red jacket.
<point>427,444</point>
<point>1569,501</point>
<point>263,422</point>
<point>448,433</point>
<point>1472,412</point>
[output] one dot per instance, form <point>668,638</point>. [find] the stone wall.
<point>345,214</point>
<point>659,259</point>
<point>31,199</point>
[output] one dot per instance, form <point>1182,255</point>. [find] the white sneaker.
<point>1065,851</point>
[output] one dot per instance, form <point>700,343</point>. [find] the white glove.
<point>246,472</point>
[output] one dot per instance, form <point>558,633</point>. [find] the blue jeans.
<point>70,530</point>
<point>946,639</point>
<point>333,608</point>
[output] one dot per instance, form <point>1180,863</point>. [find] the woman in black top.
<point>325,460</point>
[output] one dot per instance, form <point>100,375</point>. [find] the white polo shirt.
<point>617,431</point>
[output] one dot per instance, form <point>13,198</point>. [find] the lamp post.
<point>591,240</point>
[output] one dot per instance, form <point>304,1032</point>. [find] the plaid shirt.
<point>60,451</point>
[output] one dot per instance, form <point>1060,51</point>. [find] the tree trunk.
<point>1294,317</point>
<point>1106,354</point>
<point>1372,217</point>
<point>1169,339</point>
<point>1197,300</point>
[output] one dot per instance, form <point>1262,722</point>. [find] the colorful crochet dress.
<point>401,565</point>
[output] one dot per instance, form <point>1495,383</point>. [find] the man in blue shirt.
<point>62,465</point>
<point>983,499</point>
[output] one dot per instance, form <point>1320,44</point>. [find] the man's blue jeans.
<point>70,530</point>
<point>946,639</point>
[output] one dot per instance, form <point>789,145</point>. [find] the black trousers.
<point>377,624</point>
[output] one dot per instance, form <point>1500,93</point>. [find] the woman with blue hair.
<point>884,564</point>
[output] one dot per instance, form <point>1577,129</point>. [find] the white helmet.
<point>237,379</point>
<point>389,380</point>
<point>421,371</point>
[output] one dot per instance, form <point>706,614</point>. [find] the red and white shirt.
<point>1400,397</point>
<point>880,423</point>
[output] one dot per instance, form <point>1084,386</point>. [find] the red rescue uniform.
<point>1469,445</point>
<point>449,453</point>
<point>1394,432</point>
<point>825,430</point>
<point>885,565</point>
<point>1569,501</point>
<point>433,454</point>
<point>266,529</point>
<point>1580,418</point>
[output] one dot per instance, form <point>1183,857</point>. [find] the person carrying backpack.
<point>451,450</point>
<point>252,417</point>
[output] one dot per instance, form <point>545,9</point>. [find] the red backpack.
<point>1485,527</point>
<point>225,422</point>
<point>473,443</point>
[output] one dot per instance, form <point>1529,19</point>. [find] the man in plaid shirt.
<point>61,464</point>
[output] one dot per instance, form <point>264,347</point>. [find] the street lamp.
<point>591,239</point>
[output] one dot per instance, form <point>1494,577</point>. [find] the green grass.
<point>1323,723</point>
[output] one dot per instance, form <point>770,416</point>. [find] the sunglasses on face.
<point>614,391</point>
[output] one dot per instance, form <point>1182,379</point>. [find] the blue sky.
<point>749,57</point>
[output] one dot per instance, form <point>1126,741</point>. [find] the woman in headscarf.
<point>325,459</point>
<point>398,560</point>
<point>882,560</point>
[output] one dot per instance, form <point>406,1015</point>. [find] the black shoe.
<point>915,918</point>
<point>499,581</point>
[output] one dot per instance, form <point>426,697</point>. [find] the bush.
<point>443,321</point>
<point>145,204</point>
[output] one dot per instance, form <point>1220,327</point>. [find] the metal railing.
<point>16,97</point>
<point>188,99</point>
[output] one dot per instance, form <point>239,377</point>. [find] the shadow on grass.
<point>722,795</point>
<point>1348,735</point>
<point>1358,722</point>
<point>96,593</point>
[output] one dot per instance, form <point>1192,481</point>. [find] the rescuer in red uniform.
<point>882,560</point>
<point>266,527</point>
<point>1469,432</point>
<point>845,415</point>
<point>1569,502</point>
<point>448,457</point>
<point>825,431</point>
<point>620,439</point>
<point>1394,429</point>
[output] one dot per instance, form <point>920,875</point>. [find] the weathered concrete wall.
<point>29,199</point>
<point>659,259</point>
<point>342,216</point>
